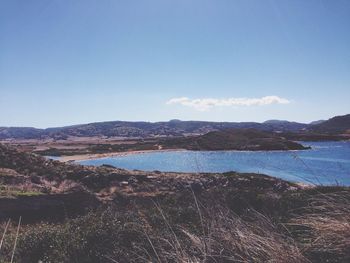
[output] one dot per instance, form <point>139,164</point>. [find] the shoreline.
<point>85,157</point>
<point>90,156</point>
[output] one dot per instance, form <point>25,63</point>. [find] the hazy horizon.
<point>65,63</point>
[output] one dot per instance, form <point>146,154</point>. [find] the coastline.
<point>85,157</point>
<point>89,156</point>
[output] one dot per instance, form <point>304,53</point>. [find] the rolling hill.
<point>233,139</point>
<point>335,125</point>
<point>142,129</point>
<point>125,129</point>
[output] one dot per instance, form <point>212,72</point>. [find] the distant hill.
<point>277,122</point>
<point>335,125</point>
<point>20,132</point>
<point>316,122</point>
<point>282,125</point>
<point>143,129</point>
<point>173,128</point>
<point>239,139</point>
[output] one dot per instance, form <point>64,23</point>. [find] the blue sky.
<point>68,62</point>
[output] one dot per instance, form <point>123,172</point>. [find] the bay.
<point>327,163</point>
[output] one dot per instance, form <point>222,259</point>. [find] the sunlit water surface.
<point>326,163</point>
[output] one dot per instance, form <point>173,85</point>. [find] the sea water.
<point>326,163</point>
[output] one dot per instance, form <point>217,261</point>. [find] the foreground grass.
<point>322,228</point>
<point>111,237</point>
<point>305,226</point>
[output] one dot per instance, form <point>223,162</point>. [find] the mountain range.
<point>125,129</point>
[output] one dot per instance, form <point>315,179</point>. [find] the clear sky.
<point>68,62</point>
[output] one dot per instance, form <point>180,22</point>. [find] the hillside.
<point>124,129</point>
<point>141,129</point>
<point>173,128</point>
<point>234,139</point>
<point>20,132</point>
<point>335,125</point>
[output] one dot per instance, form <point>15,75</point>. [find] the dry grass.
<point>232,239</point>
<point>320,232</point>
<point>225,237</point>
<point>323,227</point>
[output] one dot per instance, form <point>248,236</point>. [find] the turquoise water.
<point>326,163</point>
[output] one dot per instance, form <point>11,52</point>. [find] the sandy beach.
<point>83,157</point>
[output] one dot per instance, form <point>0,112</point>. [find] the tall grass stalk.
<point>4,234</point>
<point>15,244</point>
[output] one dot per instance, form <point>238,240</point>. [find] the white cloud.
<point>208,103</point>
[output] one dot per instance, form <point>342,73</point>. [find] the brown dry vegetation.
<point>323,227</point>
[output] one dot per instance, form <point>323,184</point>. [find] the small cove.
<point>327,163</point>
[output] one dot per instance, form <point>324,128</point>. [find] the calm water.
<point>327,162</point>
